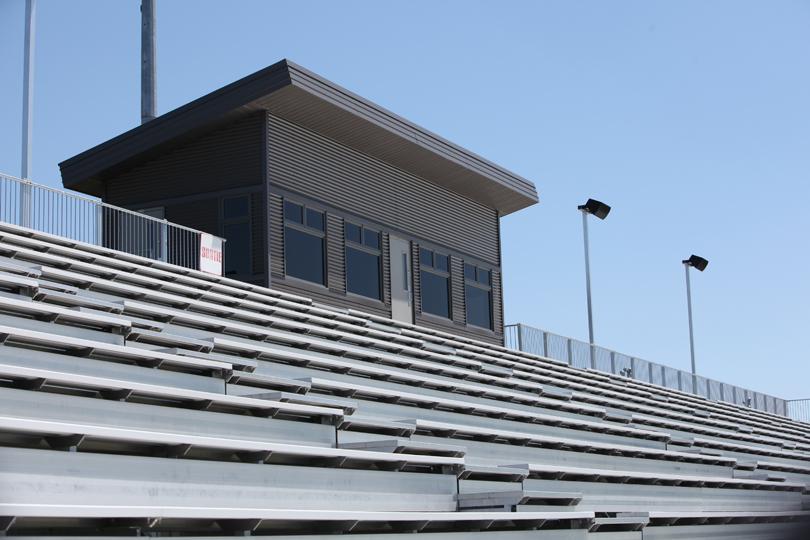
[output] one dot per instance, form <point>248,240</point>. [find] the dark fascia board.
<point>87,171</point>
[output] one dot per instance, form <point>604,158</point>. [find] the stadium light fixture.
<point>700,264</point>
<point>600,210</point>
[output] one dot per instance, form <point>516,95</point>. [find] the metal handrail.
<point>90,220</point>
<point>92,200</point>
<point>581,354</point>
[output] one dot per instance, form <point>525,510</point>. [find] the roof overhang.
<point>302,97</point>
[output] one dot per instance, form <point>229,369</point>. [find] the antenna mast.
<point>148,61</point>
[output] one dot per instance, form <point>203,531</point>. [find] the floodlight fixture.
<point>597,208</point>
<point>698,263</point>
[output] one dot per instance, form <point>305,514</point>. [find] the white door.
<point>401,297</point>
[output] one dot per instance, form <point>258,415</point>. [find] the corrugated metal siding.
<point>335,254</point>
<point>258,237</point>
<point>326,297</point>
<point>415,278</point>
<point>228,158</point>
<point>497,302</point>
<point>308,163</point>
<point>457,290</point>
<point>461,330</point>
<point>200,215</point>
<point>386,269</point>
<point>275,207</point>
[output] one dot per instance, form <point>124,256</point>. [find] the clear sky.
<point>691,118</point>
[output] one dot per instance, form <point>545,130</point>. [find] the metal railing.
<point>799,409</point>
<point>578,354</point>
<point>89,220</point>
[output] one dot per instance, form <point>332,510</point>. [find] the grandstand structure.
<point>143,398</point>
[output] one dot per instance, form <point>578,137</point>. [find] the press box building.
<point>322,193</point>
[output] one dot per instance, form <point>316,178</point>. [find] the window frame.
<point>246,219</point>
<point>476,283</point>
<point>306,229</point>
<point>431,269</point>
<point>363,248</point>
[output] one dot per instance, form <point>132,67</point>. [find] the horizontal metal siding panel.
<point>305,162</point>
<point>386,269</point>
<point>200,215</point>
<point>458,329</point>
<point>225,159</point>
<point>497,302</point>
<point>416,288</point>
<point>274,206</point>
<point>457,290</point>
<point>335,253</point>
<point>259,241</point>
<point>329,298</point>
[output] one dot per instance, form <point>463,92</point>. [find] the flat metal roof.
<point>289,91</point>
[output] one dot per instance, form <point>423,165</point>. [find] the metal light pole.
<point>27,113</point>
<point>600,210</point>
<point>148,61</point>
<point>699,263</point>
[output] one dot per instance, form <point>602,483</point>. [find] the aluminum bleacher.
<point>138,398</point>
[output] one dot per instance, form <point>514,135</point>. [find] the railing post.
<point>650,369</point>
<point>25,203</point>
<point>164,241</point>
<point>520,336</point>
<point>680,380</point>
<point>633,370</point>
<point>545,343</point>
<point>99,225</point>
<point>570,347</point>
<point>613,362</point>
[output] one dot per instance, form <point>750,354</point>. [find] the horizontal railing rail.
<point>85,219</point>
<point>578,354</point>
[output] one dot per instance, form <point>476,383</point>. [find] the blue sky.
<point>690,118</point>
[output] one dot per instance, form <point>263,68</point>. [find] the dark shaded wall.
<point>191,180</point>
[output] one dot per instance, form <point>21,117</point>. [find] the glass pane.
<point>441,262</point>
<point>469,272</point>
<point>425,257</point>
<point>371,238</point>
<point>479,312</point>
<point>363,273</point>
<point>237,249</point>
<point>315,219</point>
<point>483,276</point>
<point>353,232</point>
<point>235,207</point>
<point>293,212</point>
<point>303,254</point>
<point>435,294</point>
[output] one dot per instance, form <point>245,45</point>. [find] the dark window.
<point>363,258</point>
<point>478,296</point>
<point>304,243</point>
<point>435,279</point>
<point>236,231</point>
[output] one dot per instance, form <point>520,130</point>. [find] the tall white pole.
<point>148,62</point>
<point>27,113</point>
<point>588,287</point>
<point>28,88</point>
<point>691,329</point>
